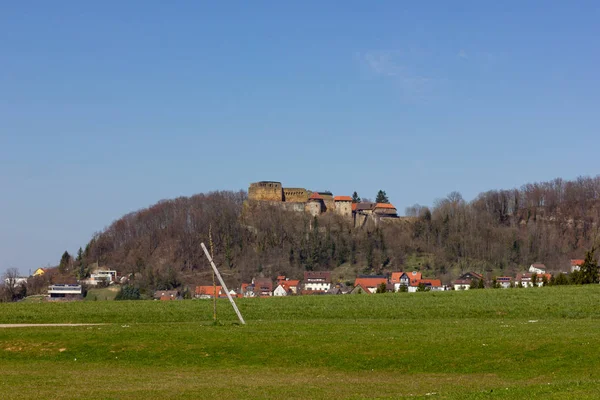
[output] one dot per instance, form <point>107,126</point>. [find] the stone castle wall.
<point>295,195</point>
<point>265,191</point>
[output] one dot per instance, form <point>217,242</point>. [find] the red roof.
<point>208,291</point>
<point>432,282</point>
<point>577,263</point>
<point>289,284</point>
<point>369,282</point>
<point>342,198</point>
<point>396,277</point>
<point>414,276</point>
<point>385,205</point>
<point>315,196</point>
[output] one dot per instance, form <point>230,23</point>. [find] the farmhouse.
<point>465,280</point>
<point>209,292</point>
<point>370,283</point>
<point>263,287</point>
<point>504,281</point>
<point>427,284</point>
<point>317,280</point>
<point>537,268</point>
<point>576,265</point>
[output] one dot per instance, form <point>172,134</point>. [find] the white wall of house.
<point>533,269</point>
<point>462,286</point>
<point>317,286</point>
<point>280,291</point>
<point>412,289</point>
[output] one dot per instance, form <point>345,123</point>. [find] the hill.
<point>499,232</point>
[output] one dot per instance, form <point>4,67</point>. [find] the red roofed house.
<point>263,287</point>
<point>370,283</point>
<point>286,288</point>
<point>576,265</point>
<point>343,205</point>
<point>504,281</point>
<point>401,279</point>
<point>208,292</point>
<point>315,204</point>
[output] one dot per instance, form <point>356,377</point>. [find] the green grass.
<point>108,293</point>
<point>508,344</point>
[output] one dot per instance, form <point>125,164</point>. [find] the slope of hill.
<point>498,232</point>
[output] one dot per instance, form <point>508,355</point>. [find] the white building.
<point>280,291</point>
<point>64,291</point>
<point>317,280</point>
<point>537,268</point>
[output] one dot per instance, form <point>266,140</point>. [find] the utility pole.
<point>212,255</point>
<point>216,271</point>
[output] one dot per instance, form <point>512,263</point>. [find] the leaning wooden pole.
<point>212,255</point>
<point>214,267</point>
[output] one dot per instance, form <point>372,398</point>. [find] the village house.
<point>166,295</point>
<point>427,284</point>
<point>464,281</point>
<point>317,281</point>
<point>359,289</point>
<point>504,282</point>
<point>576,265</point>
<point>537,268</point>
<point>40,271</point>
<point>209,292</point>
<point>247,290</point>
<point>263,287</point>
<point>399,279</point>
<point>286,286</point>
<point>371,283</point>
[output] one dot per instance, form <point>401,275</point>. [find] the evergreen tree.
<point>589,268</point>
<point>355,198</point>
<point>381,197</point>
<point>481,284</point>
<point>64,262</point>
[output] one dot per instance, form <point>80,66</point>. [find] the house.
<point>263,287</point>
<point>385,210</point>
<point>101,276</point>
<point>317,280</point>
<point>399,279</point>
<point>209,292</point>
<point>247,290</point>
<point>371,283</point>
<point>429,284</point>
<point>16,281</point>
<point>576,265</point>
<point>165,295</point>
<point>65,291</point>
<point>464,281</point>
<point>40,271</point>
<point>524,280</point>
<point>504,281</point>
<point>359,289</point>
<point>537,268</point>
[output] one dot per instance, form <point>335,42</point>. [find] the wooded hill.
<point>499,232</point>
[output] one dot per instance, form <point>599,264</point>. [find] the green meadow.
<point>505,344</point>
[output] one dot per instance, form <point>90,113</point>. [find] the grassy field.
<point>506,344</point>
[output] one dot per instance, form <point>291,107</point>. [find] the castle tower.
<point>315,204</point>
<point>265,191</point>
<point>343,205</point>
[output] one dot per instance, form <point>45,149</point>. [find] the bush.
<point>128,292</point>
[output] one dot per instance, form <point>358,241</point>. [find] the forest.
<point>499,232</point>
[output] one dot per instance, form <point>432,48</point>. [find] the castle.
<point>317,203</point>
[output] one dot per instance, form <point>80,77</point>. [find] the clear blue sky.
<point>107,107</point>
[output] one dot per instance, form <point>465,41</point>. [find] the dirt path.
<point>40,325</point>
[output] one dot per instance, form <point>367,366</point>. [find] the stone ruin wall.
<point>295,195</point>
<point>265,191</point>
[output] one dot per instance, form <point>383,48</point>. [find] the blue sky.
<point>108,107</point>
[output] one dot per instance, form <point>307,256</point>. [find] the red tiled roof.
<point>364,289</point>
<point>369,282</point>
<point>414,276</point>
<point>342,198</point>
<point>315,196</point>
<point>209,290</point>
<point>385,205</point>
<point>577,263</point>
<point>432,282</point>
<point>396,277</point>
<point>288,284</point>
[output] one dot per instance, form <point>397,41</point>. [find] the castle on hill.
<point>317,203</point>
